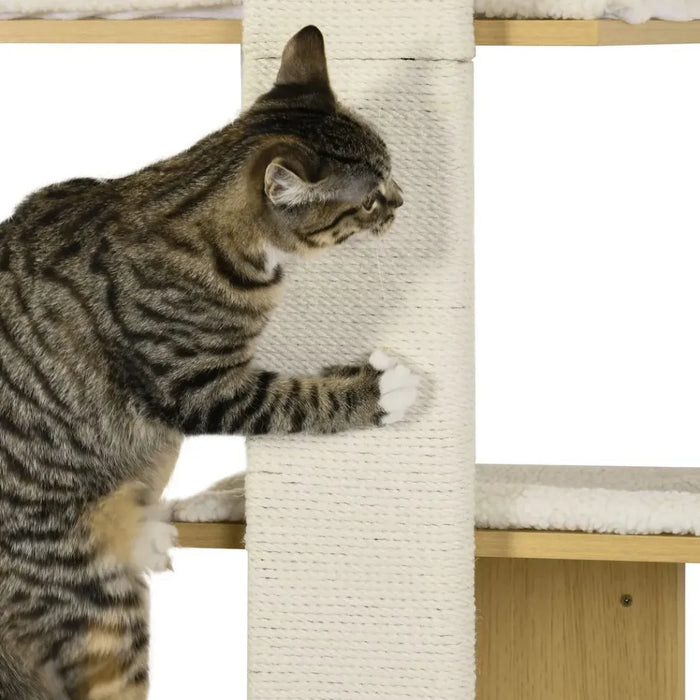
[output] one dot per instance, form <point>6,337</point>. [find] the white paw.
<point>211,506</point>
<point>398,386</point>
<point>151,551</point>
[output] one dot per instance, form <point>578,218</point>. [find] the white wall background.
<point>588,251</point>
<point>588,262</point>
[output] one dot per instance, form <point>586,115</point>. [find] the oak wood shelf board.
<point>508,544</point>
<point>127,31</point>
<point>488,32</point>
<point>583,546</point>
<point>574,32</point>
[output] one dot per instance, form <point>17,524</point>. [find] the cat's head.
<point>324,174</point>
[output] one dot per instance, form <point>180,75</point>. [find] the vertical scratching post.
<point>361,544</point>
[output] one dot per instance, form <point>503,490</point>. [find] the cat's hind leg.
<point>111,660</point>
<point>129,536</point>
<point>79,632</point>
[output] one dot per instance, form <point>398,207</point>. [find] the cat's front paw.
<point>398,387</point>
<point>151,550</point>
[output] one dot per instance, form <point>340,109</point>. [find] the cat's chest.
<point>274,259</point>
<point>253,295</point>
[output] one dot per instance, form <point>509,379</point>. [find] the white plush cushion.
<point>628,10</point>
<point>590,499</point>
<point>102,7</point>
<point>634,11</point>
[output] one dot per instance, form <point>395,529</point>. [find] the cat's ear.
<point>304,60</point>
<point>284,188</point>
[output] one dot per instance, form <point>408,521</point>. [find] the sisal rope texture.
<point>361,545</point>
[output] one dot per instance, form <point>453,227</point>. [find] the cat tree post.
<point>361,545</point>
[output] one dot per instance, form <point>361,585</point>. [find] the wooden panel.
<point>549,630</point>
<point>508,544</point>
<point>532,544</point>
<point>489,32</point>
<point>104,31</point>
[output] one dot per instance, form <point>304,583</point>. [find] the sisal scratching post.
<point>361,545</point>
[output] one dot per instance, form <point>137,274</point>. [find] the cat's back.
<point>64,211</point>
<point>52,359</point>
<point>65,413</point>
<point>49,252</point>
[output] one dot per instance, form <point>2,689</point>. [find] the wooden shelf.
<point>127,31</point>
<point>572,32</point>
<point>212,535</point>
<point>489,32</point>
<point>582,546</point>
<point>508,544</point>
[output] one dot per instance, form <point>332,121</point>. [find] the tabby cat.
<point>128,317</point>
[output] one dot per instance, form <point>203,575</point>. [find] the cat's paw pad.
<point>398,387</point>
<point>151,550</point>
<point>211,506</point>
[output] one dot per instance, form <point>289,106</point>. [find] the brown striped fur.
<point>129,310</point>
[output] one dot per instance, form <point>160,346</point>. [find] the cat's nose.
<point>394,195</point>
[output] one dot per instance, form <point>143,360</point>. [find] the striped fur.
<point>129,310</point>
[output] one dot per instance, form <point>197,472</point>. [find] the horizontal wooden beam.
<point>127,31</point>
<point>212,535</point>
<point>488,32</point>
<point>583,546</point>
<point>613,33</point>
<point>572,32</point>
<point>508,544</point>
<point>535,32</point>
